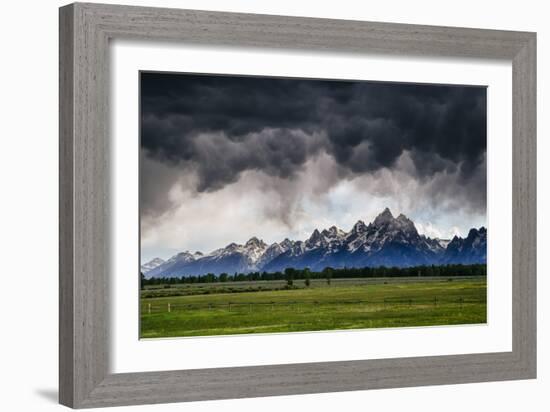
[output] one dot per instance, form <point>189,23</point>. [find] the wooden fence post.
<point>149,308</point>
<point>169,309</point>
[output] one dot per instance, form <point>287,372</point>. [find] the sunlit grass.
<point>342,305</point>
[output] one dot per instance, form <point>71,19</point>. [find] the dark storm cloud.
<point>221,126</point>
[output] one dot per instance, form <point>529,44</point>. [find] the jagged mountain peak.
<point>184,256</point>
<point>476,232</point>
<point>150,265</point>
<point>406,223</point>
<point>315,240</point>
<point>286,244</point>
<point>383,218</point>
<point>333,232</point>
<point>255,242</point>
<point>252,249</point>
<point>315,234</point>
<point>403,218</point>
<point>472,249</point>
<point>389,227</point>
<point>185,253</point>
<point>388,241</point>
<point>359,227</point>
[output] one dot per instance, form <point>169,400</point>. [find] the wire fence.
<point>300,306</point>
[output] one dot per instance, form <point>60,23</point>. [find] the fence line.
<point>171,307</point>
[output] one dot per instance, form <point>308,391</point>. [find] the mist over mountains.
<point>387,241</point>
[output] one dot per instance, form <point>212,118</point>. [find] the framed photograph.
<point>227,158</point>
<point>256,205</point>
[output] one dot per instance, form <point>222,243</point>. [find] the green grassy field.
<point>266,307</point>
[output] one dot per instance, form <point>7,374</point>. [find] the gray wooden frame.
<point>85,31</point>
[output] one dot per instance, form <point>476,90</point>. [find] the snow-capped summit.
<point>383,218</point>
<point>146,267</point>
<point>171,265</point>
<point>286,244</point>
<point>254,249</point>
<point>186,255</point>
<point>359,227</point>
<point>255,242</point>
<point>472,249</point>
<point>273,251</point>
<point>230,248</point>
<point>333,233</point>
<point>315,240</point>
<point>404,220</point>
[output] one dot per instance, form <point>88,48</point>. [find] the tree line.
<point>328,273</point>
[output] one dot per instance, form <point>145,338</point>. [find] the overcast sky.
<point>227,158</point>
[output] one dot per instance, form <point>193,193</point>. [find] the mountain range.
<point>387,241</point>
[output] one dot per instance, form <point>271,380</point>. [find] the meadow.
<point>271,306</point>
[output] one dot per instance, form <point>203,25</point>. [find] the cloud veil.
<point>224,158</point>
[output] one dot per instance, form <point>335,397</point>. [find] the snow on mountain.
<point>172,265</point>
<point>146,267</point>
<point>232,258</point>
<point>252,250</point>
<point>357,236</point>
<point>384,218</point>
<point>435,245</point>
<point>443,242</point>
<point>316,240</point>
<point>333,233</point>
<point>472,249</point>
<point>273,251</point>
<point>388,241</point>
